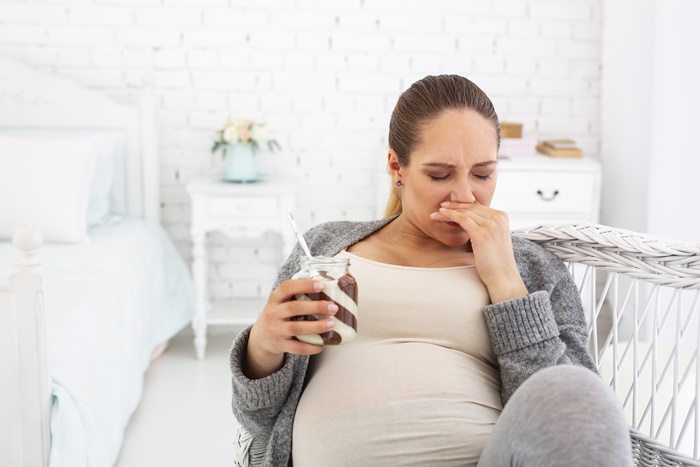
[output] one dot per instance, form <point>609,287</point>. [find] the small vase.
<point>240,163</point>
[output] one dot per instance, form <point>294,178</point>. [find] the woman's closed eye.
<point>442,178</point>
<point>439,178</point>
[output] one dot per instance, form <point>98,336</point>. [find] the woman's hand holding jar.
<point>274,333</point>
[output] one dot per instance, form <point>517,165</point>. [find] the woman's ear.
<point>393,166</point>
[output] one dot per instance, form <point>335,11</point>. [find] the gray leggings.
<point>560,416</point>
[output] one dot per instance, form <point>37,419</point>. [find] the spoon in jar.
<point>302,242</point>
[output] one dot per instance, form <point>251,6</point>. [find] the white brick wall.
<point>323,75</point>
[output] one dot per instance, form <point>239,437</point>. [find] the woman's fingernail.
<point>434,214</point>
<point>332,308</point>
<point>445,203</point>
<point>443,210</point>
<point>330,323</point>
<point>318,286</point>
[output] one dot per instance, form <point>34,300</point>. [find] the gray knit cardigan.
<point>545,328</point>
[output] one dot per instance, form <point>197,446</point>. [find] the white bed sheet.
<point>109,303</point>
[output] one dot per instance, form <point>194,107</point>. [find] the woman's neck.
<point>400,242</point>
<point>403,233</point>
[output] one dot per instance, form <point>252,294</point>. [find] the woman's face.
<point>456,160</point>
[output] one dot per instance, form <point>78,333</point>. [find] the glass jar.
<point>339,287</point>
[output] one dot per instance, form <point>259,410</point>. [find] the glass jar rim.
<point>324,260</point>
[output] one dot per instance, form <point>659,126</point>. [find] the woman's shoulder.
<point>352,226</point>
<point>339,234</point>
<point>338,227</point>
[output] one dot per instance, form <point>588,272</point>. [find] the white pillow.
<point>102,186</point>
<point>46,182</point>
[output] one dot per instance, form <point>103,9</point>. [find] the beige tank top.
<point>420,384</point>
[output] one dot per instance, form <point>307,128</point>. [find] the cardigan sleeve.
<point>259,404</point>
<point>544,328</point>
<point>256,403</point>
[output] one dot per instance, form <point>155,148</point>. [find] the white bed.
<point>110,299</point>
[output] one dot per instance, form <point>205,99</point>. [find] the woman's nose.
<point>462,193</point>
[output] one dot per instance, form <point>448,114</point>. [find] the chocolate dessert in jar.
<point>339,287</point>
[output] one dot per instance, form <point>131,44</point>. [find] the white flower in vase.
<point>238,142</point>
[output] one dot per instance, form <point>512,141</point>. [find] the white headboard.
<point>33,103</point>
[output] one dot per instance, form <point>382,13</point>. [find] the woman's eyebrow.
<point>446,165</point>
<point>485,163</point>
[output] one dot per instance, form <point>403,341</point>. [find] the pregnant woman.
<point>471,345</point>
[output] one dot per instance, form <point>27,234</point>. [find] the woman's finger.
<point>476,210</point>
<point>466,220</point>
<point>292,287</point>
<point>296,347</point>
<point>454,215</point>
<point>304,307</point>
<point>295,328</point>
<point>483,215</point>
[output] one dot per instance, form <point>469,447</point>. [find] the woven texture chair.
<point>642,297</point>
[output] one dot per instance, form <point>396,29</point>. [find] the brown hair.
<point>424,101</point>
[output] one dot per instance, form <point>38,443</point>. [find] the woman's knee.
<point>561,412</point>
<point>570,384</point>
<point>564,375</point>
<point>574,395</point>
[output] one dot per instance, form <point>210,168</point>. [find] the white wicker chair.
<point>633,287</point>
<point>642,296</point>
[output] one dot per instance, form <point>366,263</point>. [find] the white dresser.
<point>548,190</point>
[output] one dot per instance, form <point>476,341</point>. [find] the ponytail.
<point>393,206</point>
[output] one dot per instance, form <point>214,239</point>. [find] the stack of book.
<point>559,148</point>
<point>513,143</point>
<point>515,147</point>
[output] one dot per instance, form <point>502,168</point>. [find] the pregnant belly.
<point>400,404</point>
<point>426,432</point>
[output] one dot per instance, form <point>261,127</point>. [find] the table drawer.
<point>545,192</point>
<point>241,206</point>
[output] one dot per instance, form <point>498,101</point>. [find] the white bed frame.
<point>33,103</point>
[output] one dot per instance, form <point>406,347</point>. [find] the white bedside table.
<point>238,211</point>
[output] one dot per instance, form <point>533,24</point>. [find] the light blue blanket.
<point>109,303</point>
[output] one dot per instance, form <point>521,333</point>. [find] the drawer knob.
<point>545,198</point>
